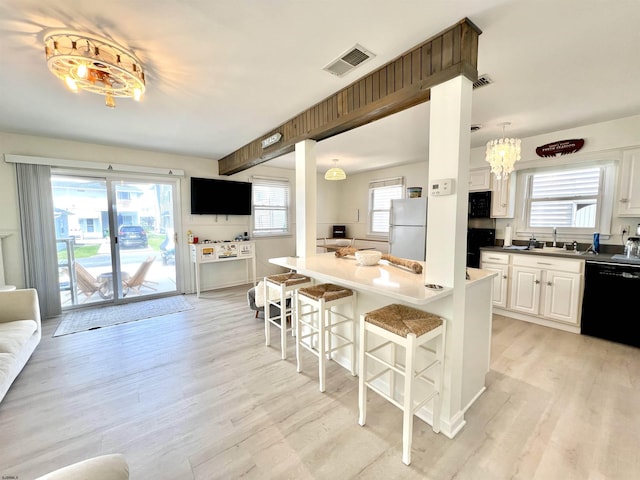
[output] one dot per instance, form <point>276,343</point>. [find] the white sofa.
<point>105,467</point>
<point>20,333</point>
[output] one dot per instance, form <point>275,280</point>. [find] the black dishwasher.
<point>610,306</point>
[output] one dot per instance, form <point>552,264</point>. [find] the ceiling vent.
<point>483,81</point>
<point>355,56</point>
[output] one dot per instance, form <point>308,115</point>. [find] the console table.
<point>207,253</point>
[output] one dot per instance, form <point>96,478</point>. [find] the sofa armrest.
<point>20,305</point>
<point>105,467</point>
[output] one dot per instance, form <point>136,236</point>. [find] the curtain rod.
<point>110,167</point>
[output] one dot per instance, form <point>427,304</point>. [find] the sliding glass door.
<point>115,238</point>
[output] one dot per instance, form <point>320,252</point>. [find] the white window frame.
<point>271,230</point>
<point>604,199</point>
<point>377,185</point>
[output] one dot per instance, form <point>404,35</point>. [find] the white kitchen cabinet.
<point>503,196</point>
<point>499,263</point>
<point>525,289</point>
<point>479,179</point>
<point>562,295</point>
<point>629,187</point>
<point>547,287</point>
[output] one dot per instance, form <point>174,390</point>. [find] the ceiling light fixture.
<point>335,172</point>
<point>503,153</point>
<point>95,64</point>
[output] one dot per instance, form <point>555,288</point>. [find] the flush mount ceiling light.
<point>95,64</point>
<point>335,172</point>
<point>503,153</point>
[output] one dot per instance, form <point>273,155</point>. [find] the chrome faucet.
<point>555,235</point>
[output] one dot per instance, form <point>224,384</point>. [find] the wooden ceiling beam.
<point>400,84</point>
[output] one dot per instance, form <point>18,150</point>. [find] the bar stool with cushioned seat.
<point>316,328</point>
<point>285,284</point>
<point>410,328</point>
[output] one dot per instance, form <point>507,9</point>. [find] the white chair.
<point>316,328</point>
<point>285,284</point>
<point>412,329</point>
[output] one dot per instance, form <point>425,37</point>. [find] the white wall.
<point>354,194</point>
<point>344,202</point>
<point>604,140</point>
<point>204,226</point>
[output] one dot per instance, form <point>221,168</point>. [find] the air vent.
<point>475,127</point>
<point>355,56</point>
<point>483,81</point>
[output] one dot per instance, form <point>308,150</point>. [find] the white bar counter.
<point>468,343</point>
<point>382,279</point>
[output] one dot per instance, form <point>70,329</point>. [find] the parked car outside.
<point>132,236</point>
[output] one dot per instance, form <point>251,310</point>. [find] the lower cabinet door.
<point>562,296</point>
<point>500,283</point>
<point>525,289</point>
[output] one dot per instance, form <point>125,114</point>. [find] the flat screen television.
<point>211,196</point>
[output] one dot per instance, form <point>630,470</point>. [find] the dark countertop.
<point>591,257</point>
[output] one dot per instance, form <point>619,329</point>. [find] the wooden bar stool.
<point>410,328</point>
<point>285,284</point>
<point>316,329</point>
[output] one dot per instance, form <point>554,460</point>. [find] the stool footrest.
<point>418,406</point>
<point>384,395</point>
<point>390,366</point>
<point>419,375</point>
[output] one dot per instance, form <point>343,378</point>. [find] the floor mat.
<point>83,320</point>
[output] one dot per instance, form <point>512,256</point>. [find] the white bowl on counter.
<point>368,257</point>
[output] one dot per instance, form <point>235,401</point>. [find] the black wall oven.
<point>610,307</point>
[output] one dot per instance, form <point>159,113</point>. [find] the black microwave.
<point>480,204</point>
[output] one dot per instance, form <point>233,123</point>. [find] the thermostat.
<point>438,188</point>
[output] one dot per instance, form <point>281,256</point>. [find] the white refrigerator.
<point>408,228</point>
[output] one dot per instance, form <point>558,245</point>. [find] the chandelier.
<point>89,62</point>
<point>503,153</point>
<point>335,172</point>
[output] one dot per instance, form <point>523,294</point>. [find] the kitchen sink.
<point>556,251</point>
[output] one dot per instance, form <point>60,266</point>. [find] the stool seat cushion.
<point>288,279</point>
<point>328,291</point>
<point>402,320</point>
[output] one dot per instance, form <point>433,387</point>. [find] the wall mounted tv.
<point>211,196</point>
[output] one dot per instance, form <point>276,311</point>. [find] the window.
<point>569,198</point>
<point>270,206</point>
<point>381,192</point>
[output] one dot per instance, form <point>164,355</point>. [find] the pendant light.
<point>335,172</point>
<point>502,154</point>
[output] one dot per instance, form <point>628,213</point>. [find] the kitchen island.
<point>468,340</point>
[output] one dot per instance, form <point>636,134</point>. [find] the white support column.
<point>306,203</point>
<point>449,150</point>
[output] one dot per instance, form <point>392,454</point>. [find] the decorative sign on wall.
<point>275,138</point>
<point>563,147</point>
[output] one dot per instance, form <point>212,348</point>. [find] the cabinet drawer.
<point>491,257</point>
<point>549,263</point>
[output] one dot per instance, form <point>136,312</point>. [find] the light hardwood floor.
<point>197,395</point>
